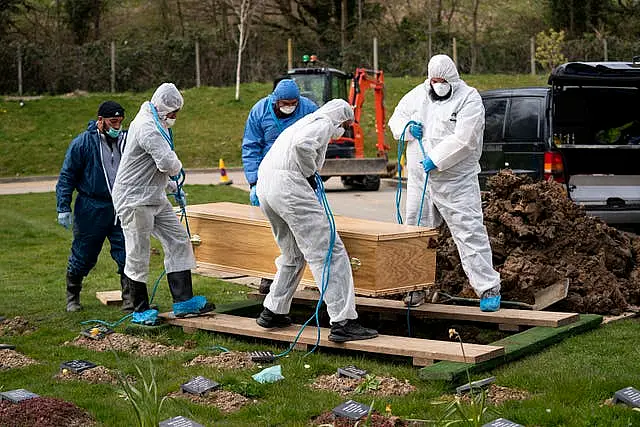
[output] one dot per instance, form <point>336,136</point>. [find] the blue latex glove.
<point>253,197</point>
<point>181,198</point>
<point>416,131</point>
<point>64,219</point>
<point>428,164</point>
<point>269,375</point>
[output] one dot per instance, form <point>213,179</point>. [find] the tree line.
<point>65,45</point>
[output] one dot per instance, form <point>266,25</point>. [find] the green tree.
<point>549,48</point>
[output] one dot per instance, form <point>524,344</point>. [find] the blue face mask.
<point>113,133</point>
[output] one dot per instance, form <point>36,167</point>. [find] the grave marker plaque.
<point>7,347</point>
<point>262,356</point>
<point>18,395</point>
<point>97,332</point>
<point>628,395</point>
<point>475,384</point>
<point>179,422</point>
<point>352,372</point>
<point>351,409</point>
<point>199,385</point>
<point>501,422</point>
<point>77,366</point>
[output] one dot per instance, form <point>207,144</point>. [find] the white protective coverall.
<point>452,137</point>
<point>139,192</point>
<point>298,221</point>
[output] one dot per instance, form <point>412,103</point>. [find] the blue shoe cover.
<point>490,303</point>
<point>269,375</point>
<point>190,306</point>
<point>148,317</point>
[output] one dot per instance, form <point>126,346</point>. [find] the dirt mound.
<point>124,342</point>
<point>376,419</point>
<point>384,386</point>
<point>226,360</point>
<point>10,359</point>
<point>97,375</point>
<point>225,401</point>
<point>539,237</point>
<point>43,412</point>
<point>16,326</point>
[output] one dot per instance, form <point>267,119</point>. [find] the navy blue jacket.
<point>83,171</point>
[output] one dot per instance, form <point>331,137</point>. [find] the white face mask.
<point>441,89</point>
<point>288,109</point>
<point>170,122</point>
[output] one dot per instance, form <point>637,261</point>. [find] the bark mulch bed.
<point>43,412</point>
<point>344,386</point>
<point>227,360</point>
<point>10,359</point>
<point>15,326</point>
<point>225,401</point>
<point>539,237</point>
<point>123,342</point>
<point>97,375</point>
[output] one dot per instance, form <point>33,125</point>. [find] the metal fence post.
<point>19,69</point>
<point>113,66</point>
<point>197,63</point>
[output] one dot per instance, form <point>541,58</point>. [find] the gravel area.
<point>123,342</point>
<point>10,359</point>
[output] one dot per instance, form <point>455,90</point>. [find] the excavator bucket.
<point>348,167</point>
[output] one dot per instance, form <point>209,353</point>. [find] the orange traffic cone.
<point>224,178</point>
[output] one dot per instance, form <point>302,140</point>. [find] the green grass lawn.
<point>569,382</point>
<point>34,138</point>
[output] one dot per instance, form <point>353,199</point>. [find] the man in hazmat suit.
<point>449,118</point>
<point>90,167</point>
<point>140,199</point>
<point>267,119</point>
<point>289,199</point>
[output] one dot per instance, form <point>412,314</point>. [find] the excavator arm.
<point>364,80</point>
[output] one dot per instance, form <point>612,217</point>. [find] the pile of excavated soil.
<point>97,375</point>
<point>225,401</point>
<point>540,237</point>
<point>16,326</point>
<point>124,342</point>
<point>376,419</point>
<point>496,395</point>
<point>387,386</point>
<point>10,359</point>
<point>226,360</point>
<point>43,412</point>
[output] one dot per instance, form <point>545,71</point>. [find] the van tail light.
<point>553,166</point>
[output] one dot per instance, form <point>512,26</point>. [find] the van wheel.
<point>362,182</point>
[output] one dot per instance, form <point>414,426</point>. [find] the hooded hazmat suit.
<point>453,130</point>
<point>140,199</point>
<point>298,220</point>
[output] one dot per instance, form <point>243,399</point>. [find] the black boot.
<point>350,330</point>
<point>127,298</point>
<point>74,286</point>
<point>268,319</point>
<point>138,294</point>
<point>181,288</point>
<point>265,285</point>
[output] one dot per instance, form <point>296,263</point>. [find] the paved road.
<point>375,205</point>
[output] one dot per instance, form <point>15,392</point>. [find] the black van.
<point>582,130</point>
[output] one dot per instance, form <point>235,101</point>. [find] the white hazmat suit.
<point>452,138</point>
<point>139,192</point>
<point>298,220</point>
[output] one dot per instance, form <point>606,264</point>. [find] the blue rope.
<point>325,271</point>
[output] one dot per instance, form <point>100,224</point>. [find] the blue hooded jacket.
<point>262,129</point>
<point>83,171</point>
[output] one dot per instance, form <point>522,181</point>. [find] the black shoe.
<point>265,285</point>
<point>74,286</point>
<point>350,330</point>
<point>268,319</point>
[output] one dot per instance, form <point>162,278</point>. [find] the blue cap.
<point>286,89</point>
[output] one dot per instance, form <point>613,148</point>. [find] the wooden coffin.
<point>386,258</point>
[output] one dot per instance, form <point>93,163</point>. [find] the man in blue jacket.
<point>90,167</point>
<point>267,119</point>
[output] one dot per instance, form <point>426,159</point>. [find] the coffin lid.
<point>347,227</point>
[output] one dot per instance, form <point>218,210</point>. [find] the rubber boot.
<point>184,303</point>
<point>138,293</point>
<point>127,298</point>
<point>265,285</point>
<point>74,286</point>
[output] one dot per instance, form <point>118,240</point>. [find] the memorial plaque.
<point>199,385</point>
<point>7,347</point>
<point>77,366</point>
<point>97,332</point>
<point>262,356</point>
<point>475,384</point>
<point>18,395</point>
<point>628,395</point>
<point>351,409</point>
<point>501,422</point>
<point>179,422</point>
<point>352,372</point>
<point>2,318</point>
